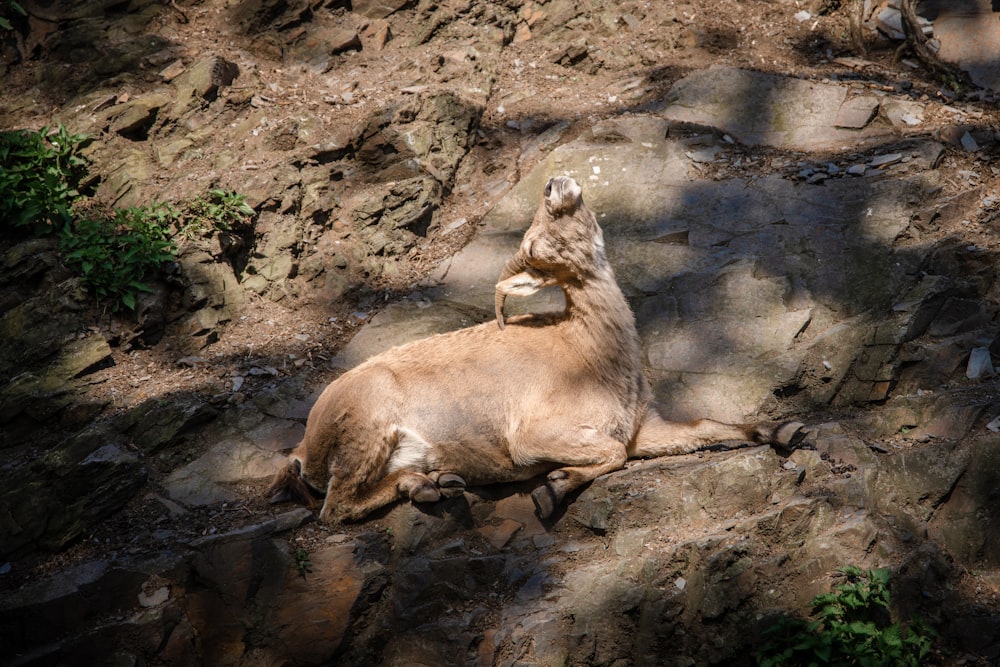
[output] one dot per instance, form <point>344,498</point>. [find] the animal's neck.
<point>607,335</point>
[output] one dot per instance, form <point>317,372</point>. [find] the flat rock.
<point>856,112</point>
<point>765,109</point>
<point>249,456</point>
<point>377,9</point>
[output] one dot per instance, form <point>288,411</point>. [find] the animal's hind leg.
<point>588,453</point>
<point>660,437</point>
<point>449,484</point>
<point>356,504</point>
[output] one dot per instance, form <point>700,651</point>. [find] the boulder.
<point>58,499</point>
<point>765,109</point>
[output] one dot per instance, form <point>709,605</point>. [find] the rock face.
<point>791,246</point>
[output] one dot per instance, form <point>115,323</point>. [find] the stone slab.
<point>856,112</point>
<point>765,109</point>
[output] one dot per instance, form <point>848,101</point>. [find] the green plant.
<point>219,209</point>
<point>302,563</point>
<point>39,175</point>
<point>115,255</point>
<point>850,626</point>
<point>11,7</point>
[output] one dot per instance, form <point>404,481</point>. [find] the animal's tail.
<point>289,487</point>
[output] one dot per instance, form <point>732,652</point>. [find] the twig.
<point>917,40</point>
<point>184,17</point>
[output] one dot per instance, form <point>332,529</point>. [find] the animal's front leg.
<point>585,454</point>
<point>343,505</point>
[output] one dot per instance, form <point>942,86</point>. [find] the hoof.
<point>451,485</point>
<point>449,480</point>
<point>427,493</point>
<point>788,435</point>
<point>545,501</point>
<point>283,496</point>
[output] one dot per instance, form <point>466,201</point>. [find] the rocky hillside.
<point>800,202</point>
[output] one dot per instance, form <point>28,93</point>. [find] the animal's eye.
<point>548,188</point>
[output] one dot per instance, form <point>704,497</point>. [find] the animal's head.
<point>292,484</point>
<point>564,239</point>
<point>563,246</point>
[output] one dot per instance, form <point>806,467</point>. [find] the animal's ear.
<point>524,283</point>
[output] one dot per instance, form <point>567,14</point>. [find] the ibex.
<point>561,394</point>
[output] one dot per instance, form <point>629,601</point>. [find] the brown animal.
<point>557,394</point>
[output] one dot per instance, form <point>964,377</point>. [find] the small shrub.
<point>850,626</point>
<point>39,175</point>
<point>302,562</point>
<point>116,255</point>
<point>219,209</point>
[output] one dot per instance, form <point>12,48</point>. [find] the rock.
<point>172,71</point>
<point>763,109</point>
<point>45,395</point>
<point>958,316</point>
<point>377,9</point>
<point>318,42</point>
<point>856,112</point>
<point>201,82</point>
<point>969,143</point>
<point>250,455</point>
<point>77,484</point>
<point>885,160</point>
<point>980,364</point>
<point>968,37</point>
<point>169,152</point>
<point>572,55</point>
<point>134,119</point>
<point>890,22</point>
<point>376,34</point>
<point>122,186</point>
<point>391,222</point>
<point>155,427</point>
<point>432,136</point>
<point>500,535</point>
<point>401,323</point>
<point>212,292</point>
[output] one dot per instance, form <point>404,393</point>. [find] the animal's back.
<point>475,388</point>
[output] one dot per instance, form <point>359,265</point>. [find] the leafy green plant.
<point>219,209</point>
<point>10,7</point>
<point>116,255</point>
<point>39,176</point>
<point>850,626</point>
<point>302,562</point>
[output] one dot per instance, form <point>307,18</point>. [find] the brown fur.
<point>562,394</point>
